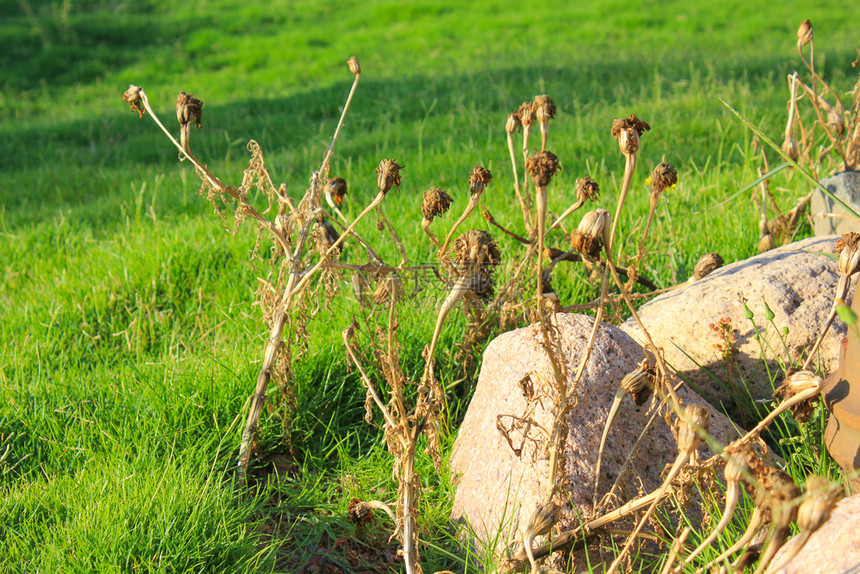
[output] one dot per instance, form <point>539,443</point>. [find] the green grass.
<point>129,338</point>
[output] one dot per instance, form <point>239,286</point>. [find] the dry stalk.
<point>478,181</point>
<point>693,424</point>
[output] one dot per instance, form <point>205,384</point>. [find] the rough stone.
<point>846,186</point>
<point>798,284</point>
<point>500,483</point>
<point>834,547</point>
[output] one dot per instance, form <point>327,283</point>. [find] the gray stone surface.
<point>845,186</point>
<point>498,488</point>
<point>795,280</point>
<point>833,548</point>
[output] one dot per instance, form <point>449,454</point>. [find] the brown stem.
<point>527,216</point>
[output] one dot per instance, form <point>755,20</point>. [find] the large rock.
<point>834,547</point>
<point>500,483</point>
<point>798,284</point>
<point>846,186</point>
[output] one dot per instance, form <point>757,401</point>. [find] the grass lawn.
<point>130,339</point>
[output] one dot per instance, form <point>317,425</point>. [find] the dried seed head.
<point>663,176</point>
<point>544,518</point>
<point>476,252</point>
<point>695,423</point>
<point>587,189</point>
<point>849,253</point>
<point>766,242</point>
<point>790,147</point>
<point>132,97</point>
<point>804,33</point>
<point>795,384</point>
<point>436,202</point>
<point>708,263</point>
<point>815,508</point>
<point>588,237</point>
<point>526,114</point>
<point>639,382</point>
<point>739,462</point>
<point>325,236</point>
<point>513,123</point>
<point>336,186</point>
<point>388,175</point>
<point>478,180</point>
<point>388,287</point>
<point>835,121</point>
<point>544,109</point>
<point>354,66</point>
<point>188,109</point>
<point>542,166</point>
<point>627,131</point>
<point>781,490</point>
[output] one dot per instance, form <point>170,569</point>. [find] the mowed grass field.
<point>130,339</point>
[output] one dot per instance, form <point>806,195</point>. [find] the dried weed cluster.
<point>305,265</point>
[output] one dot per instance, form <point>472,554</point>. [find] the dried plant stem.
<point>492,221</point>
<point>842,289</point>
<point>674,402</point>
<point>527,215</point>
<point>755,523</point>
<point>458,291</point>
<point>677,547</point>
<point>732,494</point>
<point>295,284</point>
<point>470,207</point>
<point>564,215</point>
<point>565,539</point>
<point>679,463</point>
<point>804,395</point>
<point>324,167</point>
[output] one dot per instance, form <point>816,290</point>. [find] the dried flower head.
<point>132,97</point>
<point>804,34</point>
<point>790,147</point>
<point>436,202</point>
<point>188,109</point>
<point>849,253</point>
<point>478,180</point>
<point>325,235</point>
<point>477,252</point>
<point>640,381</point>
<point>663,176</point>
<point>513,122</point>
<point>388,175</point>
<point>708,263</point>
<point>766,242</point>
<point>587,189</point>
<point>354,66</point>
<point>795,384</point>
<point>588,237</point>
<point>782,490</point>
<point>336,186</point>
<point>542,166</point>
<point>544,518</point>
<point>695,423</point>
<point>526,114</point>
<point>544,109</point>
<point>627,132</point>
<point>836,121</point>
<point>815,508</point>
<point>739,462</point>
